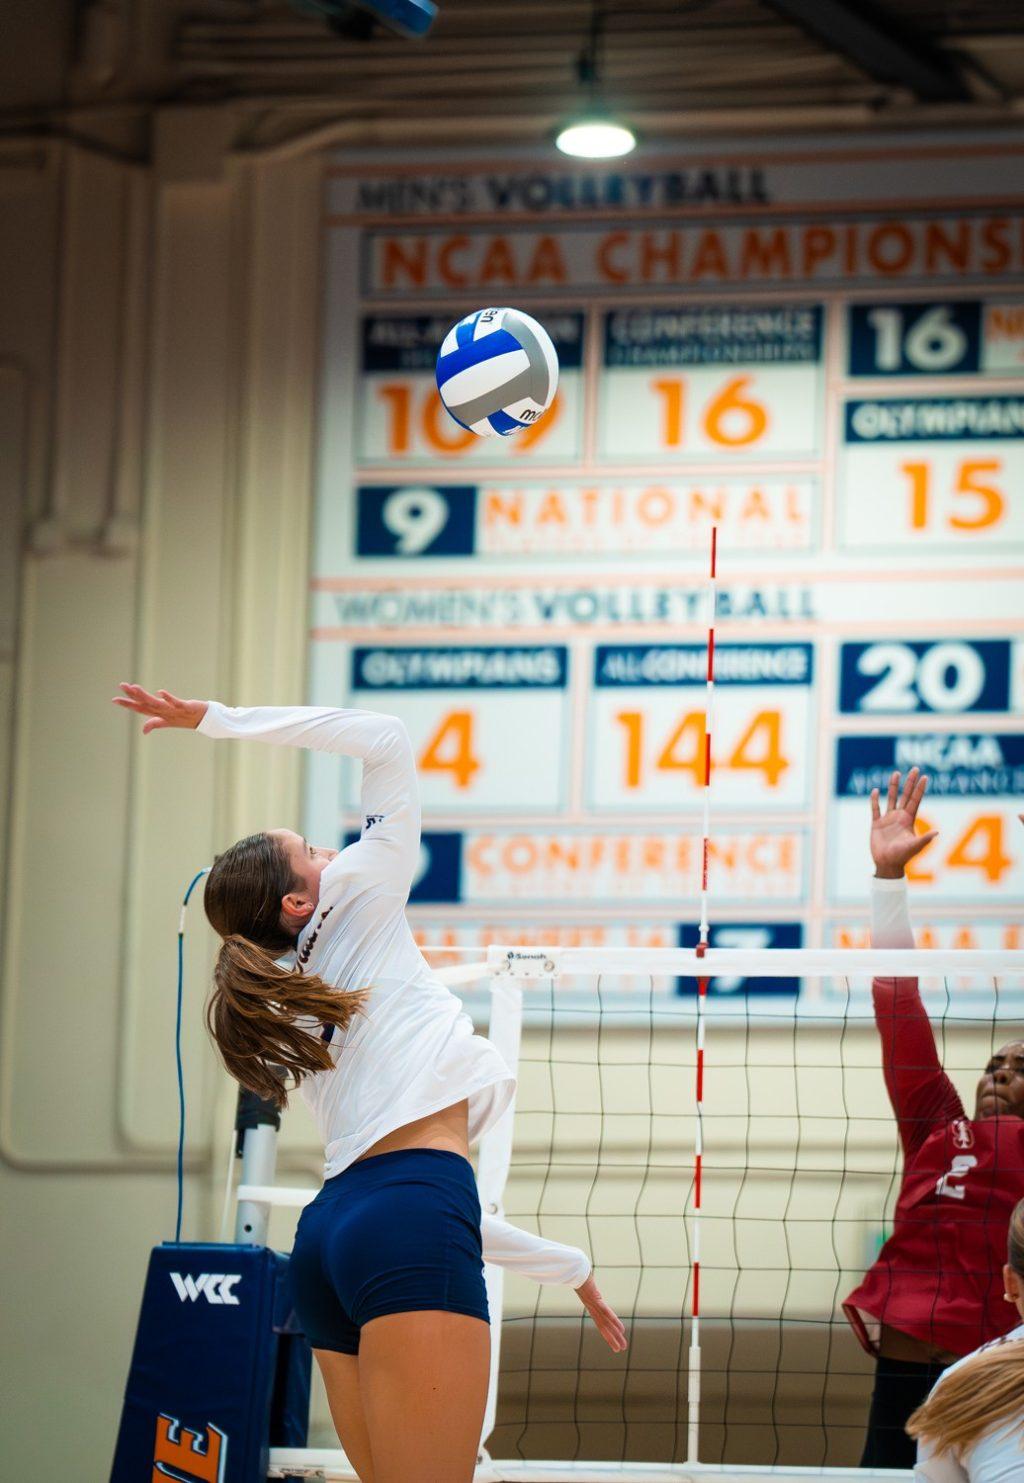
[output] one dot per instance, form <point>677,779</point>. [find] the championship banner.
<point>818,350</point>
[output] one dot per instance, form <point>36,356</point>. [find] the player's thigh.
<point>341,1381</point>
<point>423,1379</point>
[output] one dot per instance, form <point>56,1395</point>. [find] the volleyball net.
<point>729,1207</point>
<point>713,1129</point>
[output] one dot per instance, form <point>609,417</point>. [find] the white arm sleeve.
<point>532,1256</point>
<point>890,915</point>
<point>389,850</point>
<point>932,1469</point>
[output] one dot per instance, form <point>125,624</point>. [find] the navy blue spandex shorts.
<point>390,1234</point>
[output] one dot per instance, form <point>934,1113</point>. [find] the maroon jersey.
<point>939,1276</point>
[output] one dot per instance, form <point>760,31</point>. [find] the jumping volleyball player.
<point>936,1290</point>
<point>387,1268</point>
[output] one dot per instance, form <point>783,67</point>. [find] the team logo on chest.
<point>963,1134</point>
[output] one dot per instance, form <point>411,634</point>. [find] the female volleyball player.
<point>935,1291</point>
<point>387,1264</point>
<point>971,1427</point>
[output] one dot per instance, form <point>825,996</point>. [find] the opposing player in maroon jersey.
<point>936,1290</point>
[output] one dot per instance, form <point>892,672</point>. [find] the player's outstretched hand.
<point>609,1324</point>
<point>894,840</point>
<point>163,709</point>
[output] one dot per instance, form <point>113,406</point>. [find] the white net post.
<point>495,1157</point>
<point>693,1361</point>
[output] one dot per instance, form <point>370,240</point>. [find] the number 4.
<point>450,749</point>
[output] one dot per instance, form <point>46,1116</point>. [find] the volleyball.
<point>497,371</point>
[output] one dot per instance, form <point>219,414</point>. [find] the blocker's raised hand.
<point>163,709</point>
<point>608,1323</point>
<point>894,840</point>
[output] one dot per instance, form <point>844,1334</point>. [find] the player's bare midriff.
<point>894,1344</point>
<point>447,1129</point>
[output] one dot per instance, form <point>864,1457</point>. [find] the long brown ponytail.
<point>260,1014</point>
<point>986,1392</point>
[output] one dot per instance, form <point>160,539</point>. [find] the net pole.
<point>493,1164</point>
<point>693,1376</point>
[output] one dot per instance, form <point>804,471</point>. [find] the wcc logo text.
<point>215,1287</point>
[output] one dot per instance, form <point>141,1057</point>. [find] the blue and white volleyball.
<point>497,371</point>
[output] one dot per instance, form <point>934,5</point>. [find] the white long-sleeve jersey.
<point>998,1454</point>
<point>411,1051</point>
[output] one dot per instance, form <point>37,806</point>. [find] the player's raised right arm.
<point>389,799</point>
<point>919,1089</point>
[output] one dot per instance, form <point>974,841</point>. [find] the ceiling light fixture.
<point>594,133</point>
<point>593,137</point>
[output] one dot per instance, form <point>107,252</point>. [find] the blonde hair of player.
<point>988,1390</point>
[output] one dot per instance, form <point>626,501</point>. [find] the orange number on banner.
<point>396,398</point>
<point>731,419</point>
<point>979,847</point>
<point>450,749</point>
<point>524,441</point>
<point>972,480</point>
<point>759,748</point>
<point>633,721</point>
<point>670,389</point>
<point>914,870</point>
<point>730,403</point>
<point>693,731</point>
<point>670,759</point>
<point>441,433</point>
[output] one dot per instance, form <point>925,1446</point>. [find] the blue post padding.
<point>220,1371</point>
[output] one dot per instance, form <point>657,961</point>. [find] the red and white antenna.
<point>693,1366</point>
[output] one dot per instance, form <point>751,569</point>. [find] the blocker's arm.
<point>920,1091</point>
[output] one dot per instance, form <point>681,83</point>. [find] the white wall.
<point>156,365</point>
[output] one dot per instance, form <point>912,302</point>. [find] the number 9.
<point>416,516</point>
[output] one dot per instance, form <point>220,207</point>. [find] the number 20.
<point>946,677</point>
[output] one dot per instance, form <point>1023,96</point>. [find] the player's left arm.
<point>508,1246</point>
